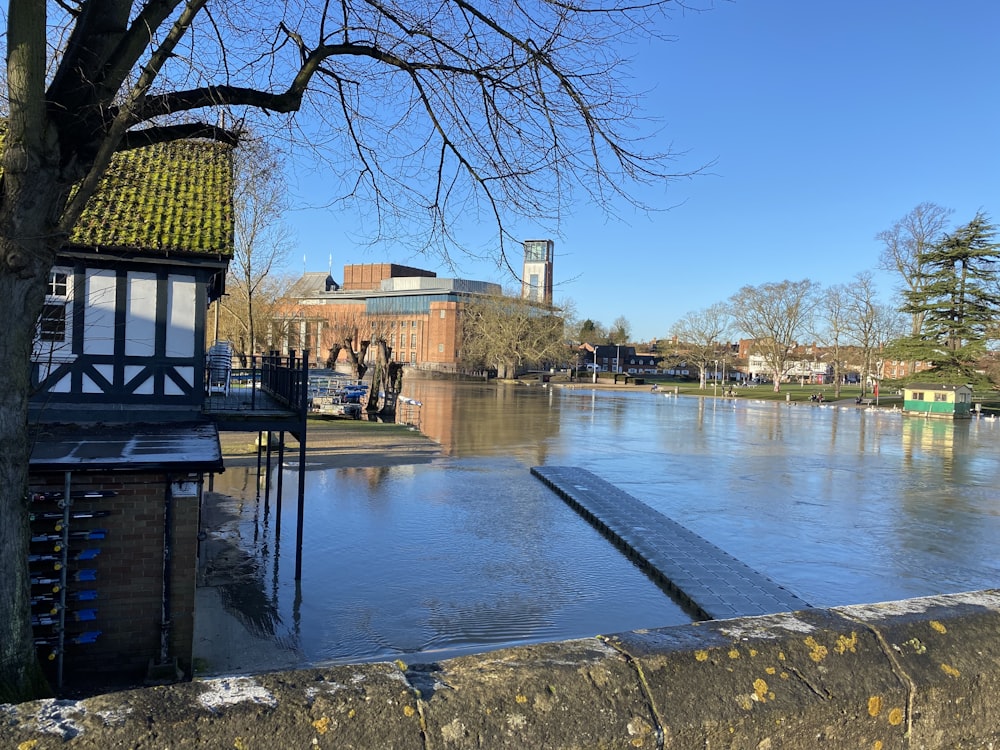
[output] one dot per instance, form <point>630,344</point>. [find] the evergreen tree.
<point>957,299</point>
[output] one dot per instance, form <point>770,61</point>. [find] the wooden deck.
<point>250,405</point>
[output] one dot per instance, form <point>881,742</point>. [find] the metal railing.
<point>286,378</point>
<point>271,381</point>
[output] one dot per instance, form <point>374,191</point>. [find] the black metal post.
<point>303,414</point>
<point>267,479</point>
<point>281,470</point>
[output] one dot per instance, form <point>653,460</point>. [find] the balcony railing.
<point>273,383</point>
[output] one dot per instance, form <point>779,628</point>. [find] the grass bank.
<point>343,443</point>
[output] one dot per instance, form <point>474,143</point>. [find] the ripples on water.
<point>471,552</point>
<point>446,558</point>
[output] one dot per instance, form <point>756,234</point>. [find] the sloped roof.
<point>935,386</point>
<point>169,197</point>
<point>312,284</point>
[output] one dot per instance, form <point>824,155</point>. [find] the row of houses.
<point>729,365</point>
<point>739,362</point>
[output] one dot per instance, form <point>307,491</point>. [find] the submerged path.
<point>711,583</point>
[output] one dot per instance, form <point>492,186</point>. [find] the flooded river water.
<point>469,551</point>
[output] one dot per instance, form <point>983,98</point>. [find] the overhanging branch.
<point>168,133</point>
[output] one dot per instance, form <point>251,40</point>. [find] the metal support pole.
<point>260,436</point>
<point>303,406</point>
<point>267,479</point>
<point>281,470</point>
<point>165,589</point>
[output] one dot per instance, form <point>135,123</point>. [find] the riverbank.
<point>341,443</point>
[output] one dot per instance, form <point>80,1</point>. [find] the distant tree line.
<point>945,311</point>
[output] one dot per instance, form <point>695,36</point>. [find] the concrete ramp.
<point>710,583</point>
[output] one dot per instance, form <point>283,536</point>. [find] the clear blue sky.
<point>826,123</point>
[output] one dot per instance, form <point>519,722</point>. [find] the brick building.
<point>417,313</point>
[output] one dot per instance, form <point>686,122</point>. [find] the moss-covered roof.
<point>170,197</point>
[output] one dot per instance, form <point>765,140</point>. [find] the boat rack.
<point>62,582</point>
<point>330,393</point>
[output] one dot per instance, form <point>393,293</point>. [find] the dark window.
<point>53,322</point>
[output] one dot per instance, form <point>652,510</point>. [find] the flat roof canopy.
<point>75,447</point>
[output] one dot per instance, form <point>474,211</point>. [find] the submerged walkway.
<point>712,584</point>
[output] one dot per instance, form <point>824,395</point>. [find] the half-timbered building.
<point>125,431</point>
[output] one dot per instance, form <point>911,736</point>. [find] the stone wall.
<point>921,673</point>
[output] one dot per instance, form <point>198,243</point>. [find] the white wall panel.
<point>140,324</point>
<point>181,310</point>
<point>99,317</point>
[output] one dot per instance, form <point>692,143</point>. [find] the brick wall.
<point>129,570</point>
<point>365,276</point>
<point>442,334</point>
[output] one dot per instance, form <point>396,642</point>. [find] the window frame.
<point>53,341</point>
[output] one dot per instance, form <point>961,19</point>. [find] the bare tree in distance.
<point>254,317</point>
<point>263,241</point>
<point>870,326</point>
<point>621,330</point>
<point>507,333</point>
<point>905,246</point>
<point>832,321</point>
<point>775,315</point>
<point>704,334</point>
<point>350,333</point>
<point>426,112</point>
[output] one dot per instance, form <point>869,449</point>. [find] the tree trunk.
<point>30,204</point>
<point>378,372</point>
<point>20,675</point>
<point>332,356</point>
<point>251,333</point>
<point>358,366</point>
<point>396,377</point>
<point>387,376</point>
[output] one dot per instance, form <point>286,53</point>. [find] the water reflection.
<point>469,551</point>
<point>488,419</point>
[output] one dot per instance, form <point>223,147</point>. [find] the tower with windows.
<point>536,279</point>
